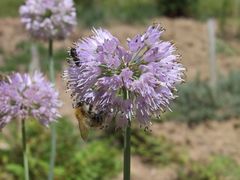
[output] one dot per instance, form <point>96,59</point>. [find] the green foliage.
<point>195,103</point>
<point>223,16</point>
<point>90,12</point>
<point>21,59</point>
<point>214,8</point>
<point>198,102</point>
<point>229,90</point>
<point>224,48</point>
<point>176,8</point>
<point>220,167</point>
<point>95,12</point>
<point>75,160</point>
<point>135,10</point>
<point>150,148</point>
<point>155,150</point>
<point>95,161</point>
<point>9,7</point>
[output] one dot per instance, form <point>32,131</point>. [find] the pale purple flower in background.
<point>49,19</point>
<point>23,97</point>
<point>149,70</point>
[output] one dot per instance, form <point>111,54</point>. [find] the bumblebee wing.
<point>84,130</point>
<point>82,123</point>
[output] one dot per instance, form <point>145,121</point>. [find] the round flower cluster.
<point>23,97</point>
<point>139,81</point>
<point>49,19</point>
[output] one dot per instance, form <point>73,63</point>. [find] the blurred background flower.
<point>48,19</point>
<point>23,97</point>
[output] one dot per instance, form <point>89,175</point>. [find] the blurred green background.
<point>91,12</point>
<point>198,140</point>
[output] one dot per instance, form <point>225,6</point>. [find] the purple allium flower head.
<point>24,97</point>
<point>100,70</point>
<point>48,19</point>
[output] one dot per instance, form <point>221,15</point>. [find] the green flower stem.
<point>24,145</point>
<point>51,61</point>
<point>127,146</point>
<point>53,128</point>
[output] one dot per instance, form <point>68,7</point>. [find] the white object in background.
<point>34,64</point>
<point>212,51</point>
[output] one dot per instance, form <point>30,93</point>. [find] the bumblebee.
<point>88,117</point>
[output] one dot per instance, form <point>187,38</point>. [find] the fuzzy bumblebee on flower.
<point>109,82</point>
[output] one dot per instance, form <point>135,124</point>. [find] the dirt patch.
<point>204,140</point>
<point>11,34</point>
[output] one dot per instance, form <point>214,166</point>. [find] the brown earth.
<point>191,38</point>
<point>205,140</point>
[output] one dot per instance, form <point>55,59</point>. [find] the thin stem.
<point>53,128</point>
<point>51,61</point>
<point>24,146</point>
<point>127,146</point>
